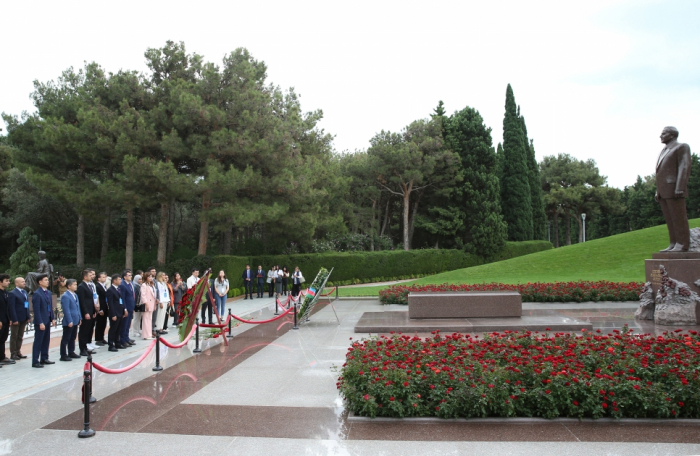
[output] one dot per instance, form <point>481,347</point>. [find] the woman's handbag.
<point>171,311</point>
<point>140,308</point>
<point>302,279</point>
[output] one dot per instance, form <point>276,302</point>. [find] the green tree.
<point>516,196</point>
<point>539,218</point>
<point>26,256</point>
<point>477,197</point>
<point>694,188</point>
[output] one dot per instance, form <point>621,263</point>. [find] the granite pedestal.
<point>469,304</point>
<point>682,266</point>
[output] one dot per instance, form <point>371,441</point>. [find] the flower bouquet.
<point>189,305</point>
<point>313,292</point>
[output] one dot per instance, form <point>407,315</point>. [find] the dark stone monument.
<point>42,267</point>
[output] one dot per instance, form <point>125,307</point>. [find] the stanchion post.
<point>230,336</point>
<point>277,308</point>
<point>196,337</point>
<point>87,382</point>
<point>93,399</point>
<point>295,316</point>
<point>158,367</point>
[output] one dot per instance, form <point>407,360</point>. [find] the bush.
<point>619,375</point>
<point>358,266</point>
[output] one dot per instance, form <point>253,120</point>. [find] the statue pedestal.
<point>682,266</point>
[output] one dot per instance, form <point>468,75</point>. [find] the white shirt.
<point>192,281</point>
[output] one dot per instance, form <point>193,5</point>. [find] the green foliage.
<point>25,257</point>
<point>693,199</point>
<point>539,218</point>
<point>516,197</point>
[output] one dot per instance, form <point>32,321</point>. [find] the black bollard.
<point>93,399</point>
<point>230,336</point>
<point>87,382</point>
<point>196,337</point>
<point>277,309</point>
<point>295,316</point>
<point>158,367</point>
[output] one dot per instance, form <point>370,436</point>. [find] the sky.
<point>597,80</point>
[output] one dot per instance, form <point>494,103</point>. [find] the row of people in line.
<point>277,281</point>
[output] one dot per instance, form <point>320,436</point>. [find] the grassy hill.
<point>618,258</point>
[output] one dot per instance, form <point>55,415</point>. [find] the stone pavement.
<point>272,391</point>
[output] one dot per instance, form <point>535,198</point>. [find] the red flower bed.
<point>531,292</point>
<point>525,374</point>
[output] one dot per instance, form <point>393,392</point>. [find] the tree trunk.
<point>386,216</point>
<point>227,239</point>
<point>413,219</point>
<point>580,228</point>
<point>556,229</point>
<point>406,213</point>
<point>105,238</point>
<point>163,233</point>
<point>568,229</point>
<point>171,228</point>
<point>129,254</point>
<point>371,230</point>
<point>80,250</point>
<point>142,230</point>
<point>204,225</point>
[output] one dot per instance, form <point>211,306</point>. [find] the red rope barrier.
<point>107,370</point>
<point>332,290</point>
<point>255,322</point>
<point>181,344</point>
<point>225,323</point>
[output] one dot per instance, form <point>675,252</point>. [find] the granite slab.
<point>465,304</point>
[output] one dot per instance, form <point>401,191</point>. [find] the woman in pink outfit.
<point>148,297</point>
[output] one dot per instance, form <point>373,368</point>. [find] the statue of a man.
<point>42,267</point>
<point>672,173</point>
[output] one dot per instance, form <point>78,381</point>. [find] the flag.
<point>311,291</point>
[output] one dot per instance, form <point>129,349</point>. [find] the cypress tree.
<point>484,231</point>
<point>515,185</point>
<point>539,218</point>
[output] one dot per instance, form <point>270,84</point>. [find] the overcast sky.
<point>596,79</point>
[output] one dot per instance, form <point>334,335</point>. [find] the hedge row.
<point>183,266</point>
<point>361,267</point>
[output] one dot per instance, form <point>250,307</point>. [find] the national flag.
<point>311,291</point>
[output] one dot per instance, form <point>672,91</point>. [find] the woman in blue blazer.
<point>71,320</point>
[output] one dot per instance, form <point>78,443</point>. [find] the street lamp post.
<point>583,216</point>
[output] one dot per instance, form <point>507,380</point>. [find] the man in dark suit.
<point>248,281</point>
<point>260,275</point>
<point>19,315</point>
<point>129,294</point>
<point>103,313</point>
<point>117,312</point>
<point>4,317</point>
<point>87,298</point>
<point>43,319</point>
<point>672,173</point>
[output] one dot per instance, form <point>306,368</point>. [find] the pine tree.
<point>484,231</point>
<point>25,257</point>
<point>539,218</point>
<point>516,197</point>
<point>694,188</point>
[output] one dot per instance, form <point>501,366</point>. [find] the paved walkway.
<point>272,391</point>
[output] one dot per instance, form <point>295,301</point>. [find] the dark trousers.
<point>124,327</point>
<point>16,337</point>
<point>4,334</point>
<point>206,305</point>
<point>68,340</point>
<point>85,333</point>
<point>676,216</point>
<point>248,284</point>
<point>271,289</point>
<point>261,288</point>
<point>284,285</point>
<point>165,309</point>
<point>41,344</point>
<point>100,326</point>
<point>113,335</point>
<point>295,289</point>
<point>176,306</point>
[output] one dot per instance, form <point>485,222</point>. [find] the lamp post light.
<point>583,216</point>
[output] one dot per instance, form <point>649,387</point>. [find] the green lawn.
<point>617,258</point>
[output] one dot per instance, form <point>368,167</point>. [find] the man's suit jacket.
<point>17,310</point>
<point>102,297</point>
<point>245,275</point>
<point>43,307</point>
<point>71,309</point>
<point>130,293</point>
<point>85,299</point>
<point>673,171</point>
<point>4,308</point>
<point>115,303</point>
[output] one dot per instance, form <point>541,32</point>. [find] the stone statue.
<point>672,173</point>
<point>42,267</point>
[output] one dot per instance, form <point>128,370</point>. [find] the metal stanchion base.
<point>197,350</point>
<point>85,433</point>
<point>158,368</point>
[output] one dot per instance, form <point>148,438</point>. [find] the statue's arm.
<point>683,168</point>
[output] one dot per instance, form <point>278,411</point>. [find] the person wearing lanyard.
<point>87,298</point>
<point>163,302</point>
<point>43,319</point>
<point>20,316</point>
<point>71,320</point>
<point>297,278</point>
<point>117,312</point>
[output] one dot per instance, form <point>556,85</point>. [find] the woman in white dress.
<point>163,301</point>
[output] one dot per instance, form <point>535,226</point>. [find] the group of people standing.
<point>277,280</point>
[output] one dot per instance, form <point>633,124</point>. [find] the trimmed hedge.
<point>183,266</point>
<point>364,266</point>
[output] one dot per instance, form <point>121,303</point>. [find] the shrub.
<point>523,374</point>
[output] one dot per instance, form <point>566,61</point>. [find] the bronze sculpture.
<point>42,267</point>
<point>672,173</point>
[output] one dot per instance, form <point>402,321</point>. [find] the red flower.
<point>366,396</point>
<point>491,385</point>
<point>576,403</point>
